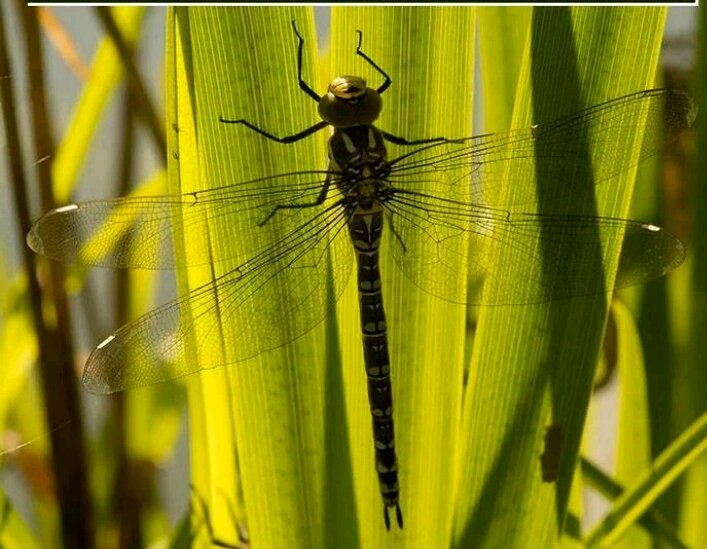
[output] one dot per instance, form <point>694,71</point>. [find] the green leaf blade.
<point>256,425</point>
<point>431,95</point>
<point>533,365</point>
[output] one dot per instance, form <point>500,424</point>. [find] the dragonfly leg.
<point>287,139</point>
<point>302,84</point>
<point>318,202</point>
<point>305,87</point>
<point>386,84</point>
<point>402,141</point>
<point>396,234</point>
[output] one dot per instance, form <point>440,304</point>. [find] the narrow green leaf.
<point>18,343</point>
<point>654,521</point>
<point>255,426</point>
<point>503,33</point>
<point>431,95</point>
<point>651,484</point>
<point>534,365</point>
<point>633,451</point>
<point>280,472</point>
<point>106,72</point>
<point>694,500</point>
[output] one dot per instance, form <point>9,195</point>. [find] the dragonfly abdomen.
<point>365,229</point>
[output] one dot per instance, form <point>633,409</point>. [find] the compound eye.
<point>348,88</point>
<point>349,103</point>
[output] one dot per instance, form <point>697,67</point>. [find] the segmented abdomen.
<point>365,230</point>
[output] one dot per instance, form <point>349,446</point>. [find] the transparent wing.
<point>562,144</point>
<point>289,277</point>
<point>138,232</point>
<point>563,256</point>
<point>435,210</point>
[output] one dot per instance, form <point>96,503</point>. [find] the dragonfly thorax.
<point>358,154</point>
<point>351,149</point>
<point>349,102</point>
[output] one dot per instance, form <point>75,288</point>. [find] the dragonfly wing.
<point>586,148</point>
<point>236,316</point>
<point>139,231</point>
<point>441,242</point>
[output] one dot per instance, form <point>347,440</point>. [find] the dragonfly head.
<point>349,102</point>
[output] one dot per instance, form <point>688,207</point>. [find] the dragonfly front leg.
<point>318,202</point>
<point>387,82</point>
<point>302,84</point>
<point>305,88</point>
<point>287,139</point>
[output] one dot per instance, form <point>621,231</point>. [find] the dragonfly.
<point>439,201</point>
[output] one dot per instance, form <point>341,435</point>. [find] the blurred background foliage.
<point>83,95</point>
